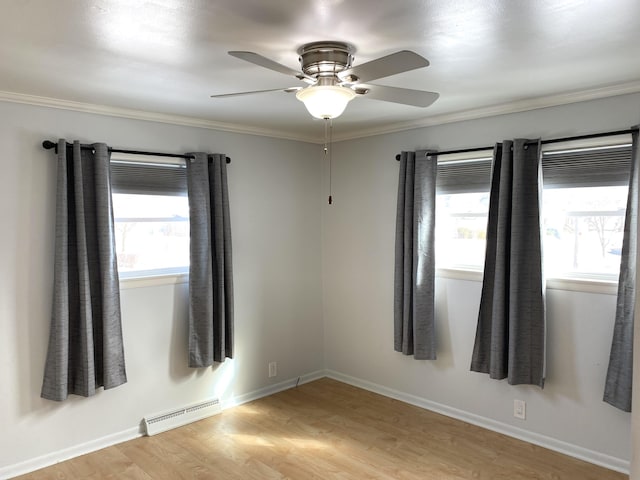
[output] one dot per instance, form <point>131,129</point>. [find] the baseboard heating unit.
<point>181,416</point>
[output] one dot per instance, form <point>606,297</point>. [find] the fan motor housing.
<point>323,60</point>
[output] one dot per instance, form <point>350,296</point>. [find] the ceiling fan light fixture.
<point>325,101</point>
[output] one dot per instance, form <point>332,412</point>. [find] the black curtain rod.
<point>544,142</point>
<point>48,145</point>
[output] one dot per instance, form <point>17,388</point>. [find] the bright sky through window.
<point>152,234</point>
<point>581,230</point>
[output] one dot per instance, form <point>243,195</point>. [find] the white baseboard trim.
<point>271,389</point>
<point>597,458</point>
<point>49,459</point>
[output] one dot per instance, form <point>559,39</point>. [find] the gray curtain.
<point>510,336</point>
<point>210,273</point>
<point>620,372</point>
<point>414,315</point>
<point>85,340</point>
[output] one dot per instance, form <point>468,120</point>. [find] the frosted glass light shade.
<point>325,101</point>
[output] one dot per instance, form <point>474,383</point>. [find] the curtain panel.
<point>510,335</point>
<point>210,272</point>
<point>414,275</point>
<point>85,341</point>
<point>618,385</point>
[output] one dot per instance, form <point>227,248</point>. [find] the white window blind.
<point>148,178</point>
<point>464,176</point>
<point>587,167</point>
<point>577,167</point>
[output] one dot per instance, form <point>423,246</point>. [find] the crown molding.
<point>495,110</point>
<point>464,115</point>
<point>150,116</point>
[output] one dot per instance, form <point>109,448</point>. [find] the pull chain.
<point>328,149</point>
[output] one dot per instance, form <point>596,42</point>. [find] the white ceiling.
<point>168,56</point>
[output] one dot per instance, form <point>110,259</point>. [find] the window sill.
<point>154,280</point>
<point>586,285</point>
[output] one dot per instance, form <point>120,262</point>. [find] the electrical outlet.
<point>520,409</point>
<point>273,369</point>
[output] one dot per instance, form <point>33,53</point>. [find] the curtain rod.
<point>544,142</point>
<point>48,145</point>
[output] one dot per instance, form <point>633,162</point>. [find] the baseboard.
<point>597,458</point>
<point>49,459</point>
<point>271,389</point>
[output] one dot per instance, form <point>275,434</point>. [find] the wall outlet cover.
<point>520,409</point>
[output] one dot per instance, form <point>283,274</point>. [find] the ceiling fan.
<point>332,81</point>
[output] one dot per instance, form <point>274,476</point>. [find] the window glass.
<point>582,230</point>
<point>461,230</point>
<point>152,234</point>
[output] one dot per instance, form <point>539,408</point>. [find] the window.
<point>151,216</point>
<point>582,231</point>
<point>462,205</point>
<point>152,233</point>
<point>582,216</point>
<point>461,229</point>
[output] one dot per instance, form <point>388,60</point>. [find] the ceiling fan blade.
<point>257,59</point>
<point>398,62</point>
<point>239,94</point>
<point>406,96</point>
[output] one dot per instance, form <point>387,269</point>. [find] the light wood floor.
<point>326,430</point>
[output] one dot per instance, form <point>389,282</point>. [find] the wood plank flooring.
<point>326,430</point>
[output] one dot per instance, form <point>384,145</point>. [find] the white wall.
<point>275,206</point>
<point>358,250</point>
